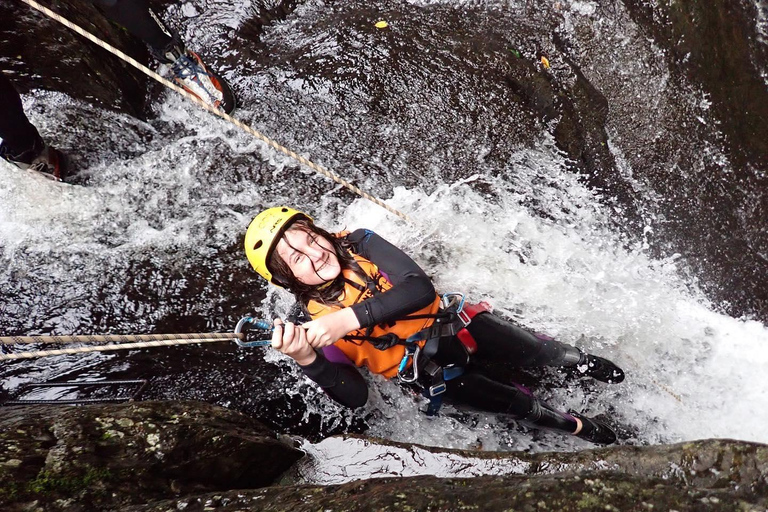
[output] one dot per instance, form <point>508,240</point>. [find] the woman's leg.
<point>480,392</point>
<point>500,340</point>
<point>21,141</point>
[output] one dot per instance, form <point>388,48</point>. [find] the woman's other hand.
<point>328,329</point>
<point>291,340</point>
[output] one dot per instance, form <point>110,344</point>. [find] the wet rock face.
<point>39,53</point>
<point>104,457</point>
<point>738,467</point>
<point>709,475</point>
<point>566,493</point>
<point>688,109</point>
<point>161,456</point>
<point>443,93</point>
<point>715,45</point>
<point>674,90</point>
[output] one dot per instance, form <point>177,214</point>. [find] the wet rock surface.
<point>106,457</point>
<point>712,215</point>
<point>571,493</point>
<point>39,53</point>
<point>158,456</point>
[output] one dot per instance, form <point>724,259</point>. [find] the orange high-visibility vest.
<point>363,353</point>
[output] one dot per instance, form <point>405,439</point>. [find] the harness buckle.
<point>437,389</point>
<point>463,316</point>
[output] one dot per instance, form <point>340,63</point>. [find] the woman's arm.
<point>340,381</point>
<point>412,289</point>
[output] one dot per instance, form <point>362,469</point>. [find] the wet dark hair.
<point>325,294</point>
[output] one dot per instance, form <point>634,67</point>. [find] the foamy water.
<point>692,373</point>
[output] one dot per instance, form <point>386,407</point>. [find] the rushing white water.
<point>540,247</point>
<point>692,373</point>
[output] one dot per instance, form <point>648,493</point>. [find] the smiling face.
<point>310,257</point>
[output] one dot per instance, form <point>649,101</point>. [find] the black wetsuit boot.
<point>596,367</point>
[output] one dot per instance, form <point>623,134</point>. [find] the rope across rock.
<point>167,83</point>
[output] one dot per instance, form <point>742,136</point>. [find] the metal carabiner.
<point>258,324</point>
<point>414,354</point>
<point>449,299</point>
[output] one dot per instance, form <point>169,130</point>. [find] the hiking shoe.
<point>599,368</point>
<point>190,72</point>
<point>594,431</point>
<point>50,162</point>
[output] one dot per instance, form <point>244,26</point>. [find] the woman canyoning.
<point>371,305</point>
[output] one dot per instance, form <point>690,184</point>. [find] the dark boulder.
<point>163,456</point>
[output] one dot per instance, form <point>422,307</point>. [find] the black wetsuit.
<point>497,339</point>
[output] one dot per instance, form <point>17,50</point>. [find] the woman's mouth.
<point>323,263</point>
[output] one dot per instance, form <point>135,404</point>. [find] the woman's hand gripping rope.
<point>330,328</point>
<point>297,341</point>
<point>291,340</point>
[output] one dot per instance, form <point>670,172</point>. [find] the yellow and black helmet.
<point>263,234</point>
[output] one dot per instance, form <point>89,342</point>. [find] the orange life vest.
<point>363,353</point>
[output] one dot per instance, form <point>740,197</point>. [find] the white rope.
<point>279,147</point>
<point>105,348</point>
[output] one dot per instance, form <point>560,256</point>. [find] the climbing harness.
<point>279,147</point>
<point>452,320</point>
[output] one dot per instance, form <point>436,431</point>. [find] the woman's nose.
<point>314,251</point>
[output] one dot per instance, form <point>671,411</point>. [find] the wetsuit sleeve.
<point>411,287</point>
<point>342,382</point>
